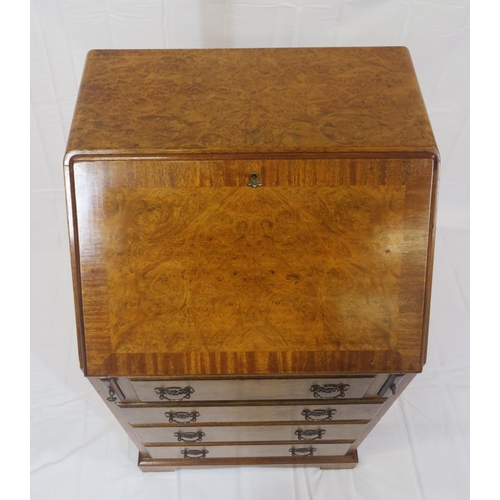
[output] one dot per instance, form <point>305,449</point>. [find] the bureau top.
<point>250,101</point>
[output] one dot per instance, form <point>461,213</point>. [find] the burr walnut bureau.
<point>252,235</point>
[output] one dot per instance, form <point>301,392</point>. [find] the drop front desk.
<point>252,235</point>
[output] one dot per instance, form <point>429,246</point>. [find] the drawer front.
<point>313,412</point>
<point>212,434</point>
<point>277,450</point>
<point>230,390</point>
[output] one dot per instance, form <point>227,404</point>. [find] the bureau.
<point>251,234</point>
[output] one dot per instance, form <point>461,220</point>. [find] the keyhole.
<point>254,181</point>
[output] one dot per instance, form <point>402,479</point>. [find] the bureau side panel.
<point>103,389</point>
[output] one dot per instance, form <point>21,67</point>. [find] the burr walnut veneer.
<point>251,234</point>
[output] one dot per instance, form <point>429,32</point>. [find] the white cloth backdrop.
<point>420,450</point>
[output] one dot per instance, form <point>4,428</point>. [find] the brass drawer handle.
<point>323,391</point>
<point>114,391</point>
<point>309,434</point>
<point>194,453</point>
<point>319,414</point>
<point>189,437</point>
<point>173,393</point>
<point>182,417</point>
<point>302,452</point>
<point>111,398</point>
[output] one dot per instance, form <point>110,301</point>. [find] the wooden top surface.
<point>250,100</point>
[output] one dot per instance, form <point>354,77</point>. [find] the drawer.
<point>299,432</point>
<point>136,413</point>
<point>247,451</point>
<point>253,389</point>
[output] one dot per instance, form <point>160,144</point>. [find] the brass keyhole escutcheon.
<point>254,181</point>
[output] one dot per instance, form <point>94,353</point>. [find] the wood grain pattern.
<point>182,271</point>
<point>250,100</point>
<point>186,270</point>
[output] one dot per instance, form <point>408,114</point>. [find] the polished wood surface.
<point>318,432</point>
<point>262,389</point>
<point>305,412</point>
<point>185,270</point>
<point>243,219</point>
<point>250,100</point>
<point>167,465</point>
